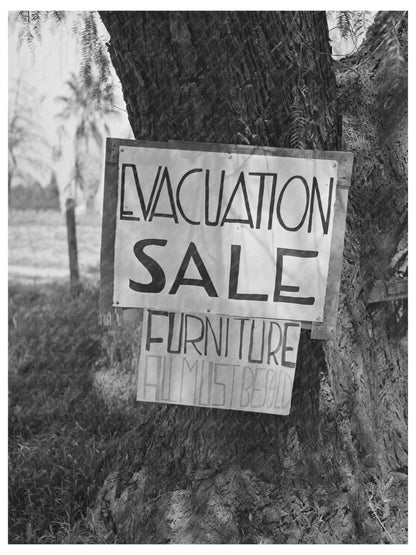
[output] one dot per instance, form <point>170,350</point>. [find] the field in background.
<point>38,249</point>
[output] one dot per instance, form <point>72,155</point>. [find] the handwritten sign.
<point>217,361</point>
<point>223,232</point>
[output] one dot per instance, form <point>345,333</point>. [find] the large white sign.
<point>228,233</point>
<point>218,361</point>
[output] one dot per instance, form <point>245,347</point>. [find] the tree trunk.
<point>72,247</point>
<point>325,473</point>
<point>9,186</point>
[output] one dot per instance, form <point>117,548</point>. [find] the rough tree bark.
<point>325,473</point>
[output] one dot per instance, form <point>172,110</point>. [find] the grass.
<point>69,405</point>
<point>62,434</point>
<point>38,239</point>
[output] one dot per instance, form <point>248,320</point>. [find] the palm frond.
<point>386,34</point>
<point>344,23</point>
<point>297,124</point>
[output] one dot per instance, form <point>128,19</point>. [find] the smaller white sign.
<point>218,361</point>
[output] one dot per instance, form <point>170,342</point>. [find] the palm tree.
<point>89,103</point>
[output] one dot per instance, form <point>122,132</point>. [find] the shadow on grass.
<point>62,435</point>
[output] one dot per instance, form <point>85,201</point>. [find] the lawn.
<point>63,432</point>
<point>66,411</point>
<point>38,244</point>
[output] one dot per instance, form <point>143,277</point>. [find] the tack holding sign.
<point>225,232</point>
<point>218,361</point>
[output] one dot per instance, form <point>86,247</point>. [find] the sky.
<point>45,68</point>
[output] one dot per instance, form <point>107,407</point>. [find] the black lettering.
<point>158,276</point>
<point>233,283</point>
<point>205,282</point>
<point>277,297</point>
<point>285,348</point>
<point>261,195</point>
<point>217,218</point>
<point>315,192</point>
<point>250,349</point>
<point>242,324</point>
<point>226,337</point>
<point>260,202</point>
<point>128,215</point>
<point>218,344</point>
<point>270,352</point>
<point>279,204</point>
<point>270,223</point>
<point>172,318</point>
<point>178,190</point>
<point>164,179</point>
<point>195,339</point>
<point>249,219</point>
<point>149,338</point>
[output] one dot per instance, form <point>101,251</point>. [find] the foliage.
<point>383,53</point>
<point>89,103</point>
<point>50,498</point>
<point>35,197</point>
<point>32,22</point>
<point>352,27</point>
<point>93,52</point>
<point>298,124</point>
<point>62,436</point>
<point>352,24</point>
<point>94,55</point>
<point>90,96</point>
<point>387,45</point>
<point>27,147</point>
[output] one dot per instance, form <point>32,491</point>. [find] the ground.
<point>64,423</point>
<point>72,403</point>
<point>38,249</point>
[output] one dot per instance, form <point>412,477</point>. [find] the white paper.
<point>217,361</point>
<point>170,227</point>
